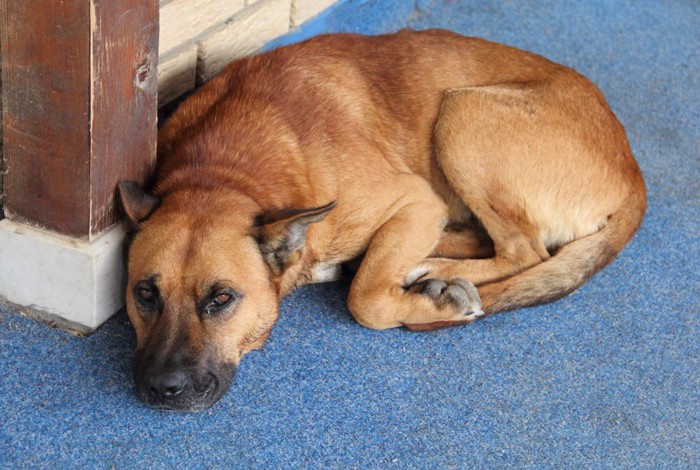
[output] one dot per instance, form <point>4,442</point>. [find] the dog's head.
<point>206,273</point>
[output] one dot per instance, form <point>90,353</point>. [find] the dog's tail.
<point>572,265</point>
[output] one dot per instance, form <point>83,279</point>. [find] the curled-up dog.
<point>469,176</point>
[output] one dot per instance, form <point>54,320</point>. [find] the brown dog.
<point>447,161</point>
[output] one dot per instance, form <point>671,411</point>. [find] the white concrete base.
<point>72,283</point>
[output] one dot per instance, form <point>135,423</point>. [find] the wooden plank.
<point>2,159</point>
<point>46,63</point>
<point>80,107</point>
<point>245,34</point>
<point>176,73</point>
<point>304,10</point>
<point>124,101</point>
<point>181,21</point>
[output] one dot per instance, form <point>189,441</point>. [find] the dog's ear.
<point>281,234</point>
<point>136,203</point>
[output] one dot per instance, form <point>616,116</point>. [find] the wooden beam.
<point>2,159</point>
<point>124,100</point>
<point>80,108</point>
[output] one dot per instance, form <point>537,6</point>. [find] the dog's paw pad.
<point>457,293</point>
<point>431,287</point>
<point>468,296</point>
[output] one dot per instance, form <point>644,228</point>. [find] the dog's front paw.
<point>456,294</point>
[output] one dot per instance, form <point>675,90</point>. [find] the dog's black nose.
<point>180,382</point>
<point>168,385</point>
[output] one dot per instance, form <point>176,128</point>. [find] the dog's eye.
<point>147,298</point>
<point>222,299</point>
<point>219,303</point>
<point>146,294</point>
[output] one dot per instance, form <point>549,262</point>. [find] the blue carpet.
<point>608,377</point>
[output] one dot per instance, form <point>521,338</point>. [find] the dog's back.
<point>332,89</point>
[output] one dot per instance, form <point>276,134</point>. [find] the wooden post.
<point>2,159</point>
<point>79,89</point>
<point>80,109</point>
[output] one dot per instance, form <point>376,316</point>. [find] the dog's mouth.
<point>184,390</point>
<point>196,399</point>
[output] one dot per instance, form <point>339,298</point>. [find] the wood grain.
<point>80,108</point>
<point>124,101</point>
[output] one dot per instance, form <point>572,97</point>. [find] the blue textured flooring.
<point>608,377</point>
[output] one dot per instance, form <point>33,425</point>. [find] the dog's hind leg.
<point>463,243</point>
<point>487,141</point>
<point>388,289</point>
<point>541,165</point>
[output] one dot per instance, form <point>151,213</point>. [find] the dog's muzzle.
<point>181,386</point>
